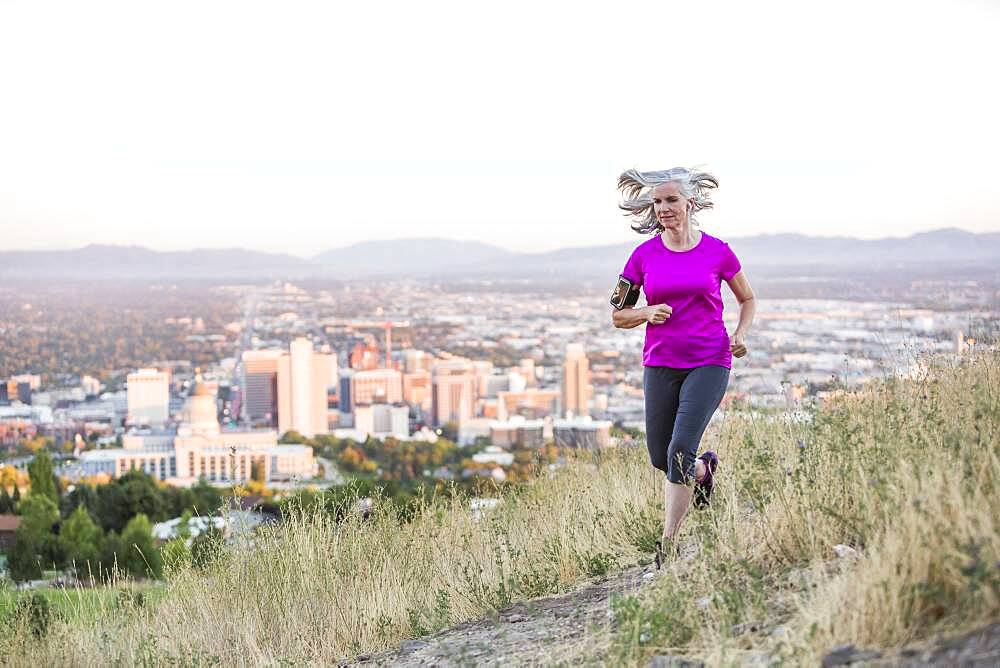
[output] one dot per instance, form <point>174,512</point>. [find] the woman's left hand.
<point>736,345</point>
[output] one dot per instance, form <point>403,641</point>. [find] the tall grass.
<point>315,590</point>
<point>904,473</point>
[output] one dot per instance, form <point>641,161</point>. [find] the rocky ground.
<point>565,629</point>
<point>557,629</point>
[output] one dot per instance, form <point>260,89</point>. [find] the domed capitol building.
<point>199,447</point>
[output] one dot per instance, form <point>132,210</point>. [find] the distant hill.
<point>934,252</point>
<point>929,252</point>
<point>134,262</point>
<point>949,245</point>
<point>412,257</point>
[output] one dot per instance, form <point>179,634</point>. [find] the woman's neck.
<point>680,240</point>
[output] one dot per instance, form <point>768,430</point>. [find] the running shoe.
<point>703,488</point>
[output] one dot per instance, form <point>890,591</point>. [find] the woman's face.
<point>670,206</point>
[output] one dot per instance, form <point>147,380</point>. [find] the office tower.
<point>388,345</point>
<point>378,386</point>
<point>416,360</point>
<point>576,381</point>
<point>148,392</point>
<point>260,387</point>
<point>334,381</point>
<point>364,357</point>
<point>482,370</point>
<point>4,397</point>
<point>344,397</point>
<point>453,391</point>
<point>303,376</point>
<point>417,389</point>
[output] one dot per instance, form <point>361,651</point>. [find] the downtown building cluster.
<point>413,394</point>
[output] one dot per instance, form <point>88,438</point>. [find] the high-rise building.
<point>483,370</point>
<point>365,357</point>
<point>303,377</point>
<point>345,401</point>
<point>576,381</point>
<point>416,360</point>
<point>260,387</point>
<point>453,391</point>
<point>377,386</point>
<point>334,380</point>
<point>417,389</point>
<point>148,392</point>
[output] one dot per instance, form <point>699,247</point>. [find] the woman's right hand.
<point>658,314</point>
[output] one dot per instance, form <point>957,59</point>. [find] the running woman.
<point>687,354</point>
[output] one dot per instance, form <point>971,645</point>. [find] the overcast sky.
<point>299,126</point>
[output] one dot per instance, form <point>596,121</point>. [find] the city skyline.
<point>322,126</point>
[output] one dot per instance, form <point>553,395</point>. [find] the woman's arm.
<point>748,306</point>
<point>627,318</point>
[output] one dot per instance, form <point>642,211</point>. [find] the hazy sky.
<point>300,126</point>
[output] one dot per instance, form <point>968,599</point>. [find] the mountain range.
<point>935,251</point>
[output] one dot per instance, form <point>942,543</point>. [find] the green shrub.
<point>207,548</point>
<point>32,613</point>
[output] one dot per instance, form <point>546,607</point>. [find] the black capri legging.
<point>679,404</point>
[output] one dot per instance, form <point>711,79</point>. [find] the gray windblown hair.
<point>635,187</point>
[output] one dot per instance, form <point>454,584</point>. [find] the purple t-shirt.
<point>689,281</point>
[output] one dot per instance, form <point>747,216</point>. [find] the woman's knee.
<point>659,460</point>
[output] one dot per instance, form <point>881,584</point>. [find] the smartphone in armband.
<point>626,294</point>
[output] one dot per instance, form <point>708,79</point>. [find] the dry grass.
<point>312,590</point>
<point>905,473</point>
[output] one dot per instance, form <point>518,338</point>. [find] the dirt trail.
<point>541,631</point>
<point>571,628</point>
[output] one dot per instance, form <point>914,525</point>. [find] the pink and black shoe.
<point>703,488</point>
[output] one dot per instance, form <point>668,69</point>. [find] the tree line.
<point>95,530</point>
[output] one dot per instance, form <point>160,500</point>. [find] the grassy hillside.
<point>904,474</point>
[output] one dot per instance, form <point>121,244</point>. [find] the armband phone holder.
<point>626,294</point>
